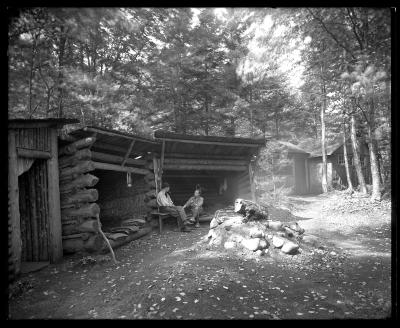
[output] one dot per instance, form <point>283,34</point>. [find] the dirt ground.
<point>176,276</point>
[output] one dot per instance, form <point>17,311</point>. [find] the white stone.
<point>251,244</point>
<point>263,244</point>
<point>256,233</point>
<point>275,225</point>
<point>277,241</point>
<point>213,224</point>
<point>289,247</point>
<point>229,244</point>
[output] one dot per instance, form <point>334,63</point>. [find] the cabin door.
<point>34,212</point>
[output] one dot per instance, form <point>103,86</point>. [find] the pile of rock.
<point>248,226</point>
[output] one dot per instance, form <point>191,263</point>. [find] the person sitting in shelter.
<point>166,205</point>
<point>195,203</point>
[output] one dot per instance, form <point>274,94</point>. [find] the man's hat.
<point>165,185</point>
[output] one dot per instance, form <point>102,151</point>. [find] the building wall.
<point>315,174</point>
<point>300,176</point>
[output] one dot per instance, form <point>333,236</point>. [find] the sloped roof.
<point>170,135</point>
<point>292,148</point>
<point>314,148</point>
<point>331,147</point>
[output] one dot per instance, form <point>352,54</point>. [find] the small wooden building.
<point>307,166</point>
<point>34,224</point>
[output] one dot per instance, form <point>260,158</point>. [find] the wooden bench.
<point>161,216</point>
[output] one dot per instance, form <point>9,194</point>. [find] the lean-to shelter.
<point>117,175</point>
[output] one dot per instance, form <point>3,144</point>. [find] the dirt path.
<point>174,276</point>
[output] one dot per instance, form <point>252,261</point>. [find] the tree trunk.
<point>376,186</point>
<point>61,51</point>
<point>356,156</point>
<point>346,161</point>
<point>323,146</point>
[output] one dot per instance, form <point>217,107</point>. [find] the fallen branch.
<point>106,239</point>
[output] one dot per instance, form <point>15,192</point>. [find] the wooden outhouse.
<point>34,223</point>
<point>307,166</point>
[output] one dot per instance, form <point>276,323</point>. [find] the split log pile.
<point>249,226</point>
<point>80,230</point>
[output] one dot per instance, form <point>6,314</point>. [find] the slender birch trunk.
<point>376,185</point>
<point>356,156</point>
<point>323,145</point>
<point>346,161</point>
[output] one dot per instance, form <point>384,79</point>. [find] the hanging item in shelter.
<point>128,179</point>
<point>223,186</point>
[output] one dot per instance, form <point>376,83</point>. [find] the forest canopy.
<point>251,72</point>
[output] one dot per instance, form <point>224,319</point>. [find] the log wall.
<point>89,189</point>
<point>79,208</point>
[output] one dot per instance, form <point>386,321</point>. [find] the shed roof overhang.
<point>125,149</point>
<point>189,146</point>
<point>40,123</point>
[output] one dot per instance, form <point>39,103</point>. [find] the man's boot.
<point>185,229</point>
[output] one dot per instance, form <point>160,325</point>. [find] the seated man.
<point>195,202</point>
<point>166,205</point>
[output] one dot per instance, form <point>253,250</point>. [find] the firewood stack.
<point>248,226</point>
<point>80,231</point>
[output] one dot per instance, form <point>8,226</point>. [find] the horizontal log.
<point>204,156</point>
<point>86,226</point>
<point>82,167</point>
<point>75,220</point>
<point>86,180</point>
<point>71,160</point>
<point>113,134</point>
<point>234,144</point>
<point>92,244</point>
<point>119,168</point>
<point>30,153</point>
<point>73,147</point>
<point>83,235</point>
<point>83,196</point>
<point>205,167</point>
<point>101,157</point>
<point>90,210</point>
<point>116,243</point>
<point>204,161</point>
